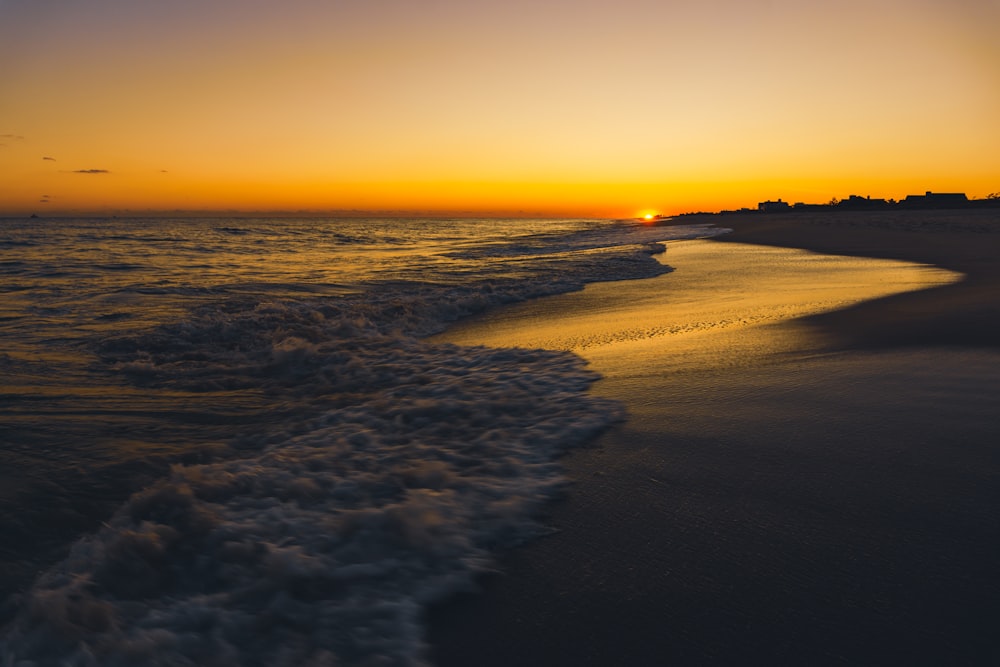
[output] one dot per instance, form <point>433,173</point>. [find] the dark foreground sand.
<point>791,488</point>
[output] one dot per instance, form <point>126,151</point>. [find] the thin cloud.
<point>50,159</point>
<point>91,171</point>
<point>4,138</point>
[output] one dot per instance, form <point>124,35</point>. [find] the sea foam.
<point>320,539</point>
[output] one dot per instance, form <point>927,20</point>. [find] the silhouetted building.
<point>856,203</point>
<point>773,206</point>
<point>936,200</point>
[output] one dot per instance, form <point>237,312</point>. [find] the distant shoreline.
<point>968,241</point>
<point>929,201</point>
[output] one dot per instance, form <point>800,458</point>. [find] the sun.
<point>649,215</point>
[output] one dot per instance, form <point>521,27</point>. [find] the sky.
<point>533,107</point>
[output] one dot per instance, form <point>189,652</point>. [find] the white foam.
<point>322,537</point>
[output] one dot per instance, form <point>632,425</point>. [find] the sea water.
<point>226,441</point>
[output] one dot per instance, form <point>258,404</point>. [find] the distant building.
<point>773,206</point>
<point>936,200</point>
<point>854,202</point>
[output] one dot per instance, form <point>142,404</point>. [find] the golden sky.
<point>555,107</point>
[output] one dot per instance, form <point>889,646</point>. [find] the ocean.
<point>228,441</point>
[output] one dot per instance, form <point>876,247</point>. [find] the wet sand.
<point>965,314</point>
<point>794,485</point>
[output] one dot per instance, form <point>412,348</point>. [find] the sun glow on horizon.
<point>351,107</point>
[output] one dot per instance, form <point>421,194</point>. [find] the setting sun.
<point>311,312</point>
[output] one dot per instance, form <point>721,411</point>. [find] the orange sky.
<point>565,107</point>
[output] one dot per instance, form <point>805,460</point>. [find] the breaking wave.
<point>398,469</point>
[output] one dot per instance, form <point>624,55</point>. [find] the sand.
<point>800,480</point>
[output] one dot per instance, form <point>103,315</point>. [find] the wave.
<point>326,543</point>
<point>396,472</point>
<point>623,233</point>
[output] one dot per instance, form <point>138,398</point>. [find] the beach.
<point>808,472</point>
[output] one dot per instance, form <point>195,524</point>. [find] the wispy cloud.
<point>5,139</point>
<point>50,159</point>
<point>91,171</point>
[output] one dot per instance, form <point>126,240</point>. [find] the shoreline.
<point>962,314</point>
<point>827,498</point>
